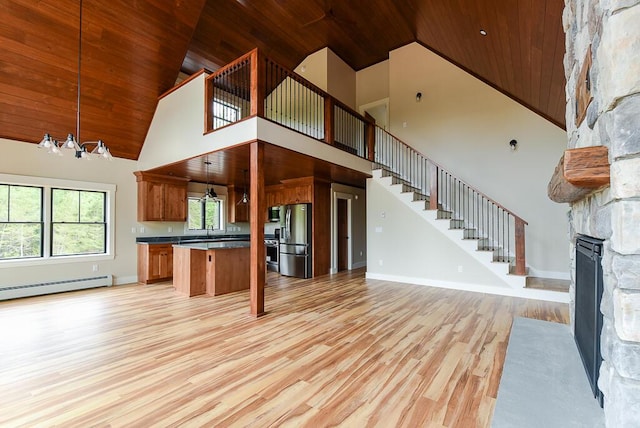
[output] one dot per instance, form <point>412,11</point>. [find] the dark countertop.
<point>215,245</point>
<point>192,239</point>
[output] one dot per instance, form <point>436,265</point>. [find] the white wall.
<point>403,246</point>
<point>20,158</point>
<point>465,125</point>
<point>330,73</point>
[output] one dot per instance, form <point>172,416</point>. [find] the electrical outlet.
<point>141,229</point>
<point>95,268</point>
<point>133,230</point>
<point>380,262</point>
<point>169,229</point>
<point>378,229</point>
<point>460,268</point>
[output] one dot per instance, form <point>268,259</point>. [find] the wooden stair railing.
<point>255,86</point>
<point>496,228</point>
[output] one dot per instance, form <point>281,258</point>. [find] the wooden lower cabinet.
<point>213,272</point>
<point>155,262</point>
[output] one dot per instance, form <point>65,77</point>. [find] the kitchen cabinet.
<point>274,195</point>
<point>155,262</point>
<point>237,213</point>
<point>161,198</point>
<point>298,191</point>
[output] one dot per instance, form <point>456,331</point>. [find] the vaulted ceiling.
<point>132,51</point>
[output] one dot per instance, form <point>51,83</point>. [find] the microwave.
<point>274,214</point>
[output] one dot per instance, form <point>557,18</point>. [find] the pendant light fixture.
<point>209,194</point>
<point>71,143</point>
<point>245,196</point>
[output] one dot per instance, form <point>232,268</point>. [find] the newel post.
<point>433,192</point>
<point>329,120</point>
<point>520,267</point>
<point>370,132</point>
<point>257,83</point>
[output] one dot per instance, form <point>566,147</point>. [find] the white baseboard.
<point>527,293</point>
<point>122,280</point>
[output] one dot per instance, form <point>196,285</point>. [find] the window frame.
<point>47,184</point>
<point>79,222</point>
<point>223,207</point>
<point>41,222</point>
<point>224,105</point>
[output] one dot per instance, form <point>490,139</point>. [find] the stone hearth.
<point>610,29</point>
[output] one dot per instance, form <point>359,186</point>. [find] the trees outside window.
<point>21,224</point>
<point>78,223</point>
<point>204,214</point>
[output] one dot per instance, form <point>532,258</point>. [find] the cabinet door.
<point>160,262</point>
<point>175,202</point>
<point>150,201</point>
<point>303,194</point>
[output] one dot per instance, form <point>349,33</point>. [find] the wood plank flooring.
<point>335,351</point>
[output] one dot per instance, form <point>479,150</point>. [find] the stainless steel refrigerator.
<point>295,240</point>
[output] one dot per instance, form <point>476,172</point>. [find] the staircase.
<point>486,230</point>
<point>479,247</point>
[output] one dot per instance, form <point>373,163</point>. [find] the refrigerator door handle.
<point>288,223</point>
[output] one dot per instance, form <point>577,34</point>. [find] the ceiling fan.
<point>330,15</point>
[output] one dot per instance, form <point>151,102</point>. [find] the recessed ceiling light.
<point>484,33</point>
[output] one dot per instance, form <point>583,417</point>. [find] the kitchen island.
<point>211,268</point>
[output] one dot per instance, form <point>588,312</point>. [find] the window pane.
<point>20,240</point>
<point>4,202</point>
<point>25,204</point>
<point>92,207</point>
<point>68,239</point>
<point>212,214</point>
<point>195,214</point>
<point>66,204</point>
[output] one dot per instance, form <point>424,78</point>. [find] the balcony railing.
<point>254,85</point>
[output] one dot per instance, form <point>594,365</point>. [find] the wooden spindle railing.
<point>255,86</point>
<point>497,228</point>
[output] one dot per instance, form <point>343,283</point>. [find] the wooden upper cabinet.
<point>161,198</point>
<point>298,191</point>
<point>237,213</point>
<point>274,195</point>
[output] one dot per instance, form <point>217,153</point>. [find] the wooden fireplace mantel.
<point>579,172</point>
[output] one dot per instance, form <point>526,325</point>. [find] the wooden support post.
<point>433,192</point>
<point>258,210</point>
<point>370,132</point>
<point>329,121</point>
<point>257,83</point>
<point>521,265</point>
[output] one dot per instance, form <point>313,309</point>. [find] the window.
<point>78,223</point>
<point>21,225</point>
<point>224,114</point>
<point>204,214</point>
<point>56,220</point>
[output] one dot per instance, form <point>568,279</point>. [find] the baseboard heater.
<point>39,289</point>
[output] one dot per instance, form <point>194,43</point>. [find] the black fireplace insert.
<point>588,318</point>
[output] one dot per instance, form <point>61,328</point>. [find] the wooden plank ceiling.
<point>133,51</point>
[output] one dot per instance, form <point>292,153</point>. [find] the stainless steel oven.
<point>273,254</point>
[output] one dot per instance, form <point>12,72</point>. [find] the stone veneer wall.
<point>612,29</point>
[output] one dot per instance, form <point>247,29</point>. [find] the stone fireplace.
<point>603,109</point>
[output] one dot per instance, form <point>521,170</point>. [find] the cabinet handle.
<point>209,257</point>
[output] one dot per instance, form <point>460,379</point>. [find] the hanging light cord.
<point>79,70</point>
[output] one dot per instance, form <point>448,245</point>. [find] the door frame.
<point>334,231</point>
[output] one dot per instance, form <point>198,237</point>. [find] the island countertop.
<point>225,245</point>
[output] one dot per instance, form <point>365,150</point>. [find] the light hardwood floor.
<point>334,351</point>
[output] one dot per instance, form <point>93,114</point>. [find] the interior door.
<point>343,235</point>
